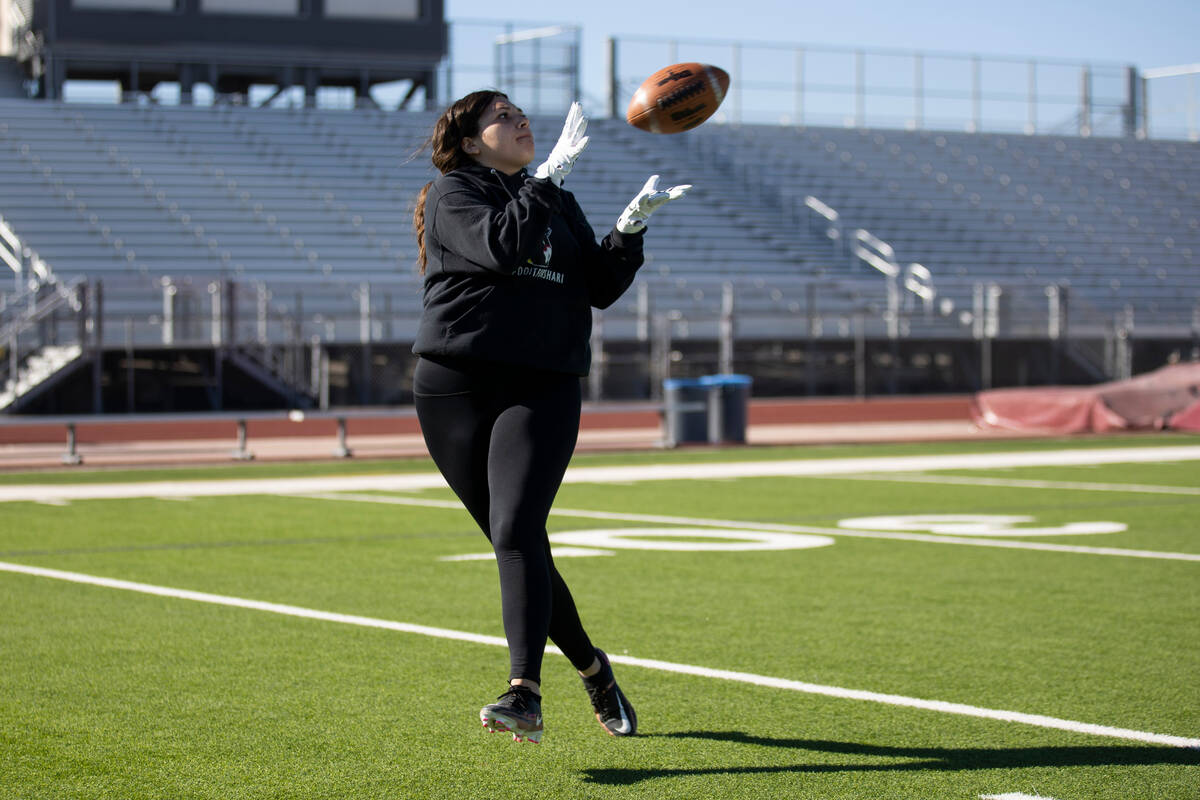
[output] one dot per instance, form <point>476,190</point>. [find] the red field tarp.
<point>1166,398</point>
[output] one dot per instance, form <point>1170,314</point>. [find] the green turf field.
<point>986,630</point>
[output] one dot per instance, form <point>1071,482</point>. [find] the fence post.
<point>1131,111</point>
<point>800,86</point>
<point>1123,368</point>
<point>976,94</point>
<point>1055,327</point>
<point>660,353</point>
<point>71,457</point>
<point>1085,102</point>
<point>979,309</point>
<point>342,450</point>
<point>230,291</point>
<point>614,85</point>
<point>95,324</point>
<point>725,344</point>
<point>860,356</point>
<point>82,315</point>
<point>241,453</point>
<point>217,326</point>
<point>168,318</point>
<point>599,357</point>
<point>860,89</point>
<point>643,311</point>
<point>1031,124</point>
<point>814,330</point>
<point>737,83</point>
<point>262,302</point>
<point>364,338</point>
<point>1143,131</point>
<point>320,373</point>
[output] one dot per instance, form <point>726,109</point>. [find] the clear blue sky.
<point>1146,34</point>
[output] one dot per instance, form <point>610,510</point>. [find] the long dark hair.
<point>456,123</point>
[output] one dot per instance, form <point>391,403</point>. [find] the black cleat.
<point>609,702</point>
<point>518,711</point>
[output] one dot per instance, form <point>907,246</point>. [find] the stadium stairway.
<point>38,372</point>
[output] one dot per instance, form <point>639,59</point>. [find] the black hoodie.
<point>512,269</point>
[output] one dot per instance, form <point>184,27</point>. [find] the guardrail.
<point>241,450</point>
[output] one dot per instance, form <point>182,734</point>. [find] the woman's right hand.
<point>570,144</point>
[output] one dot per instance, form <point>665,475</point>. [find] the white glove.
<point>648,200</point>
<point>570,144</point>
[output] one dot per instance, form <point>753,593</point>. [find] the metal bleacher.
<point>323,197</point>
<point>256,192</point>
<point>1117,220</point>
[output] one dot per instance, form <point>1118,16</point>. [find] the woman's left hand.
<point>647,201</point>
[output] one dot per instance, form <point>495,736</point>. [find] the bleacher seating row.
<point>260,193</point>
<point>1118,220</point>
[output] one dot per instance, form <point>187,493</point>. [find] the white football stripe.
<point>1036,720</point>
<point>1019,483</point>
<point>714,84</point>
<point>618,474</point>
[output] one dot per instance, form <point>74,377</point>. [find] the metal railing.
<point>173,313</point>
<point>1172,102</point>
<point>806,84</point>
<point>29,270</point>
<point>287,333</point>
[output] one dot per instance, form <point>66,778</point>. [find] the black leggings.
<point>502,437</point>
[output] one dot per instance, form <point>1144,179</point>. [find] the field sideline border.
<point>1036,720</point>
<point>795,467</point>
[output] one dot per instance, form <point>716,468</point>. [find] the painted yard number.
<point>603,541</point>
<point>976,525</point>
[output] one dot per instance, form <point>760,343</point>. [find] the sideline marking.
<point>1013,796</point>
<point>795,468</point>
<point>772,526</point>
<point>961,709</point>
<point>1019,483</point>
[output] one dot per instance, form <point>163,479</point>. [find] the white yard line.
<point>1008,544</point>
<point>1019,483</point>
<point>617,474</point>
<point>939,706</point>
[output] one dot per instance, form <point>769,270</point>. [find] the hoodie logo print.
<point>531,269</point>
<point>547,251</point>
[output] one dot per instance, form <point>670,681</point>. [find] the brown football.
<point>677,98</point>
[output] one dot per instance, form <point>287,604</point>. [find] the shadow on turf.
<point>915,758</point>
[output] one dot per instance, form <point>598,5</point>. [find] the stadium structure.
<point>222,235</point>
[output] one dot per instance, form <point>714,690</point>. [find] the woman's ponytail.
<point>459,121</point>
<point>419,226</point>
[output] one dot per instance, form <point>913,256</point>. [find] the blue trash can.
<point>685,411</point>
<point>728,398</point>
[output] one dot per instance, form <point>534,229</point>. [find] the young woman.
<point>512,269</point>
